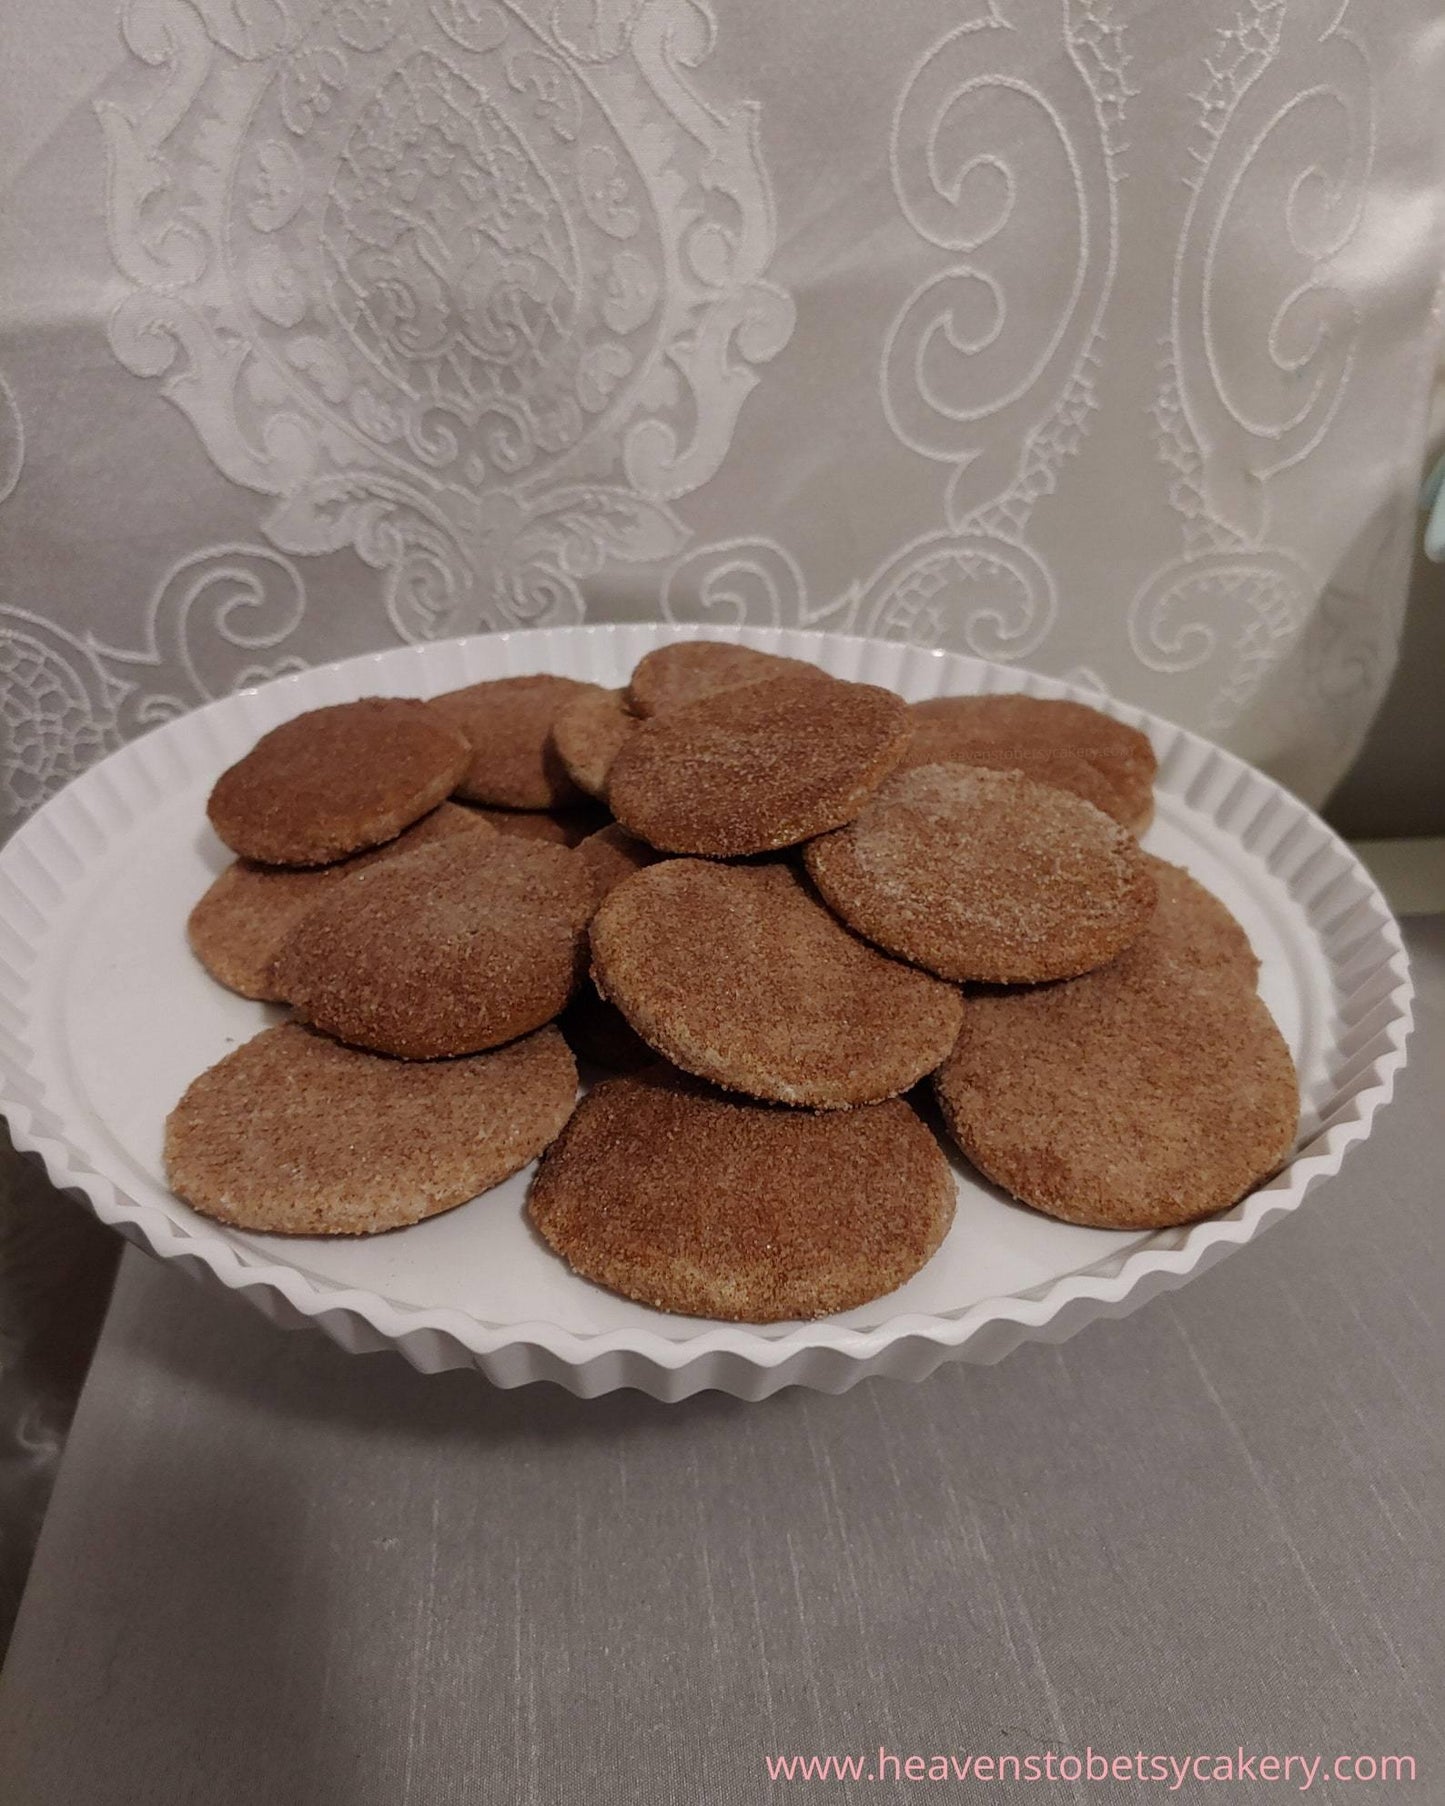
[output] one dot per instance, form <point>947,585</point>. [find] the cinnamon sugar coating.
<point>612,855</point>
<point>1148,1093</point>
<point>691,669</point>
<point>1192,926</point>
<point>237,928</point>
<point>293,1134</point>
<point>1054,741</point>
<point>444,951</point>
<point>588,733</point>
<point>507,723</point>
<point>759,767</point>
<point>692,1202</point>
<point>740,975</point>
<point>335,780</point>
<point>986,875</point>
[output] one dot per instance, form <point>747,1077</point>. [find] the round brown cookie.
<point>588,734</point>
<point>335,780</point>
<point>1145,1094</point>
<point>757,768</point>
<point>293,1134</point>
<point>564,828</point>
<point>444,951</point>
<point>611,854</point>
<point>740,975</point>
<point>691,669</point>
<point>237,928</point>
<point>597,1031</point>
<point>986,875</point>
<point>507,722</point>
<point>1191,925</point>
<point>712,1207</point>
<point>1057,742</point>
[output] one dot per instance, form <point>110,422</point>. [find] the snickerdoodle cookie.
<point>759,767</point>
<point>507,723</point>
<point>611,855</point>
<point>444,951</point>
<point>691,669</point>
<point>986,875</point>
<point>740,975</point>
<point>588,733</point>
<point>1145,1094</point>
<point>1192,926</point>
<point>237,928</point>
<point>335,780</point>
<point>293,1134</point>
<point>710,1206</point>
<point>1058,742</point>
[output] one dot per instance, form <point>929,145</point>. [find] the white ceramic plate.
<point>105,1018</point>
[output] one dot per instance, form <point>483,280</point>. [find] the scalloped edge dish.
<point>1353,953</point>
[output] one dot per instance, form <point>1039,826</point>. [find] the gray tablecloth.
<point>276,1574</point>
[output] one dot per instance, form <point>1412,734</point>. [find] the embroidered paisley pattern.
<point>478,293</point>
<point>479,313</point>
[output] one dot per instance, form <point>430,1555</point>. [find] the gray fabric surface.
<point>56,1267</point>
<point>276,1574</point>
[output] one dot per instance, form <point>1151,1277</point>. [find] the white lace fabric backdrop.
<point>1091,335</point>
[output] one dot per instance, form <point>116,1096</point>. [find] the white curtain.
<point>1093,335</point>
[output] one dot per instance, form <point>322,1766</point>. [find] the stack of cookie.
<point>805,898</point>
